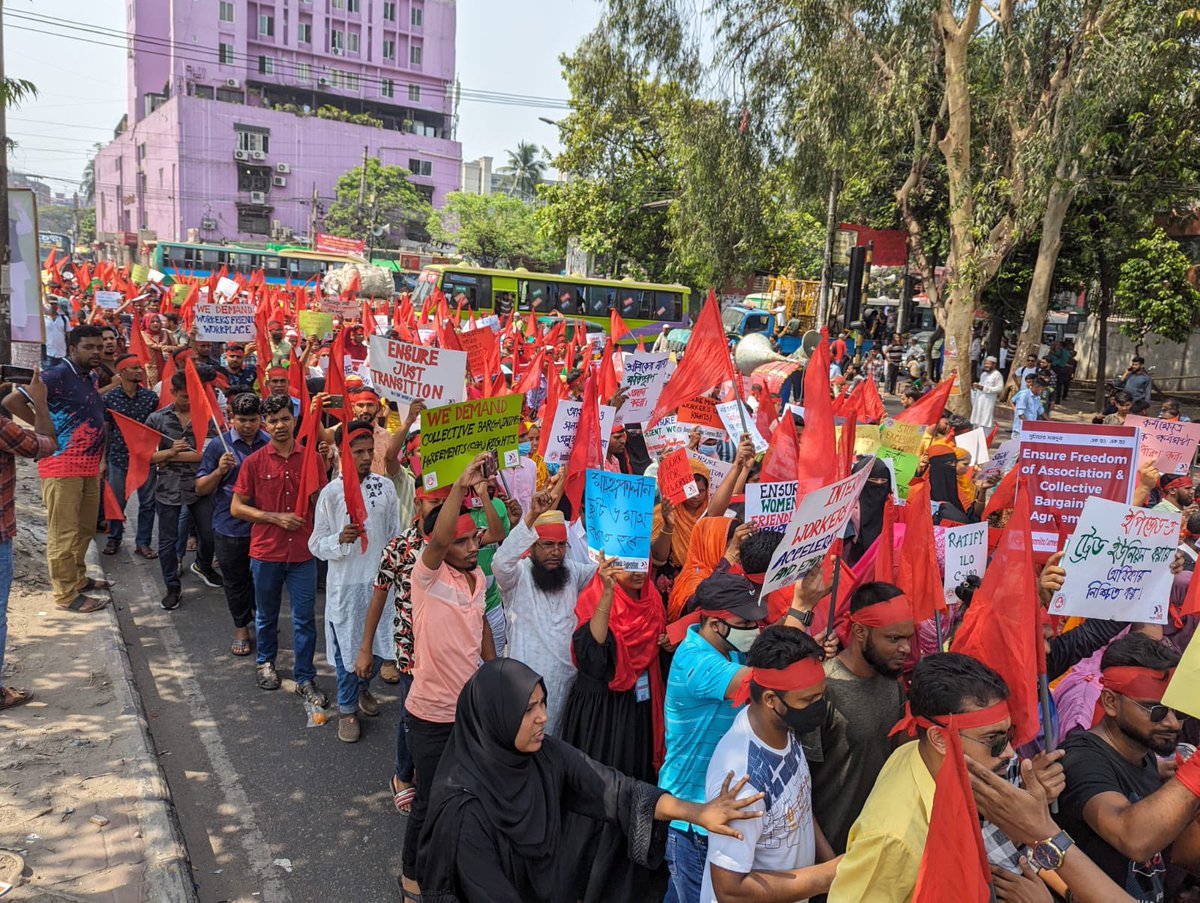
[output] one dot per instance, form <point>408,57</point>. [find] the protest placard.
<point>642,382</point>
<point>1118,563</point>
<point>139,274</point>
<point>718,470</point>
<point>155,276</point>
<point>676,481</point>
<point>179,293</point>
<point>966,554</point>
<point>902,437</point>
<point>702,412</point>
<point>26,354</point>
<point>975,442</point>
<point>1066,463</point>
<point>1183,692</point>
<point>1169,443</point>
<point>315,322</point>
<point>226,287</point>
<point>491,321</point>
<point>769,506</point>
<point>405,372</point>
<point>620,512</point>
<point>866,439</point>
<point>224,322</point>
<point>566,425</point>
<point>818,520</point>
<point>1002,459</point>
<point>342,308</point>
<point>664,435</point>
<point>734,425</point>
<point>108,300</point>
<point>480,345</point>
<point>452,435</point>
<point>904,467</point>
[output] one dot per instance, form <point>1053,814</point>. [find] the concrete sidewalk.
<point>82,796</point>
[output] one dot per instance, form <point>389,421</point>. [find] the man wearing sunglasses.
<point>1116,805</point>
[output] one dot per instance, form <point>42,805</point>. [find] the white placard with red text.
<point>404,372</point>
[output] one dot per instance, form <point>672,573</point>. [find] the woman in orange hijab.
<point>710,542</point>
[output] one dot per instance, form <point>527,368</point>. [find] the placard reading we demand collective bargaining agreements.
<point>1065,464</point>
<point>452,435</point>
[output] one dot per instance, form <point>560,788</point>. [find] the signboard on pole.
<point>224,322</point>
<point>620,513</point>
<point>452,435</point>
<point>1066,463</point>
<point>333,244</point>
<point>109,300</point>
<point>732,419</point>
<point>645,375</point>
<point>965,555</point>
<point>1118,563</point>
<point>1169,443</point>
<point>566,425</point>
<point>405,372</point>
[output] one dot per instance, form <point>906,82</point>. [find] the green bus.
<point>644,306</point>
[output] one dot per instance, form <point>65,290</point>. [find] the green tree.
<point>87,183</point>
<point>384,200</point>
<point>524,171</point>
<point>1153,291</point>
<point>494,230</point>
<point>87,227</point>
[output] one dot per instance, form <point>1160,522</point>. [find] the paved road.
<point>253,784</point>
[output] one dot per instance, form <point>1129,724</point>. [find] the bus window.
<point>570,300</point>
<point>209,258</point>
<point>271,268</point>
<point>666,306</point>
<point>600,301</point>
<point>464,289</point>
<point>540,297</point>
<point>426,283</point>
<point>630,304</point>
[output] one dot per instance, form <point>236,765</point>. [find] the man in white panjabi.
<point>351,578</point>
<point>539,585</point>
<point>985,393</point>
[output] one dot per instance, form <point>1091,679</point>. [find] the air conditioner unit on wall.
<point>283,168</point>
<point>241,155</point>
<point>232,83</point>
<point>258,155</point>
<point>208,223</point>
<point>279,181</point>
<point>258,197</point>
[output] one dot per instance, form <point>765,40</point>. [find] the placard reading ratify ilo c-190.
<point>1068,463</point>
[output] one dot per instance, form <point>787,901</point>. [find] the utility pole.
<point>5,250</point>
<point>312,217</point>
<point>75,221</point>
<point>835,187</point>
<point>362,182</point>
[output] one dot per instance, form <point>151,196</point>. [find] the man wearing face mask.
<point>708,669</point>
<point>783,855</point>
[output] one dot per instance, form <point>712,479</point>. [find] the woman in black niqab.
<point>870,510</point>
<point>495,813</point>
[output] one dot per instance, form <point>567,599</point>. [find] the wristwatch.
<point>804,617</point>
<point>1049,854</point>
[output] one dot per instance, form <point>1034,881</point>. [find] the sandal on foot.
<point>11,697</point>
<point>111,547</point>
<point>403,798</point>
<point>239,646</point>
<point>146,552</point>
<point>84,605</point>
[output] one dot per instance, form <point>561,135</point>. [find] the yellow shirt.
<point>883,851</point>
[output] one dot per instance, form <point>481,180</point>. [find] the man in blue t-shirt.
<point>217,475</point>
<point>707,670</point>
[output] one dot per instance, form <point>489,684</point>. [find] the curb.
<point>169,879</point>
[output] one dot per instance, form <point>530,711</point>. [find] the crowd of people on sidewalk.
<point>573,725</point>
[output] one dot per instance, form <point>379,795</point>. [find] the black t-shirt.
<point>1093,767</point>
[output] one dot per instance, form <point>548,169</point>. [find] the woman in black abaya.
<point>503,789</point>
<point>870,511</point>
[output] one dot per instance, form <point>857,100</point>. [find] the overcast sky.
<point>511,47</point>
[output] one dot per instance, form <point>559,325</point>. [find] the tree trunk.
<point>960,319</point>
<point>1037,303</point>
<point>1104,312</point>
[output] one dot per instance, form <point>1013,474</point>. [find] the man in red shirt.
<point>266,494</point>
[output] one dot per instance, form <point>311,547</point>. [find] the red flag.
<point>198,401</point>
<point>954,864</point>
<point>706,363</point>
<point>187,310</point>
<point>919,576</point>
<point>1004,495</point>
<point>312,467</point>
<point>532,378</point>
<point>783,452</point>
<point>1191,601</point>
<point>817,463</point>
<point>607,374</point>
<point>297,384</point>
<point>137,342</point>
<point>885,567</point>
<point>870,405</point>
<point>49,264</point>
<point>992,435</point>
<point>585,453</point>
<point>113,509</point>
<point>556,390</point>
<point>616,326</point>
<point>335,378</point>
<point>1003,626</point>
<point>352,286</point>
<point>929,409</point>
<point>766,418</point>
<point>142,442</point>
<point>164,389</point>
<point>846,447</point>
<point>355,505</point>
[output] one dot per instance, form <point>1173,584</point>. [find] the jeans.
<point>301,580</point>
<point>426,741</point>
<point>349,684</point>
<point>6,580</point>
<point>404,762</point>
<point>145,496</point>
<point>233,552</point>
<point>686,855</point>
<point>168,537</point>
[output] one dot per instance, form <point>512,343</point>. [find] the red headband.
<point>465,527</point>
<point>801,675</point>
<point>277,371</point>
<point>552,532</point>
<point>361,431</point>
<point>758,579</point>
<point>1130,680</point>
<point>363,395</point>
<point>129,360</point>
<point>895,610</point>
<point>981,718</point>
<point>432,495</point>
<point>1178,483</point>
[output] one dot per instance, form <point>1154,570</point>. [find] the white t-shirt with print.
<point>784,838</point>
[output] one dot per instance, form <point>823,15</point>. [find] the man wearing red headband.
<point>866,699</point>
<point>539,584</point>
<point>278,384</point>
<point>1116,805</point>
<point>241,378</point>
<point>1177,493</point>
<point>776,857</point>
<point>281,348</point>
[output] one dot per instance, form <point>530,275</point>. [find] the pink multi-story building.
<point>243,114</point>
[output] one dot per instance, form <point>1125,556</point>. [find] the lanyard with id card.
<point>642,687</point>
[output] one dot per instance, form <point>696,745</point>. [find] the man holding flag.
<point>135,401</point>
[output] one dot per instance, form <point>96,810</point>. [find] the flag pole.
<point>937,628</point>
<point>833,589</point>
<point>220,435</point>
